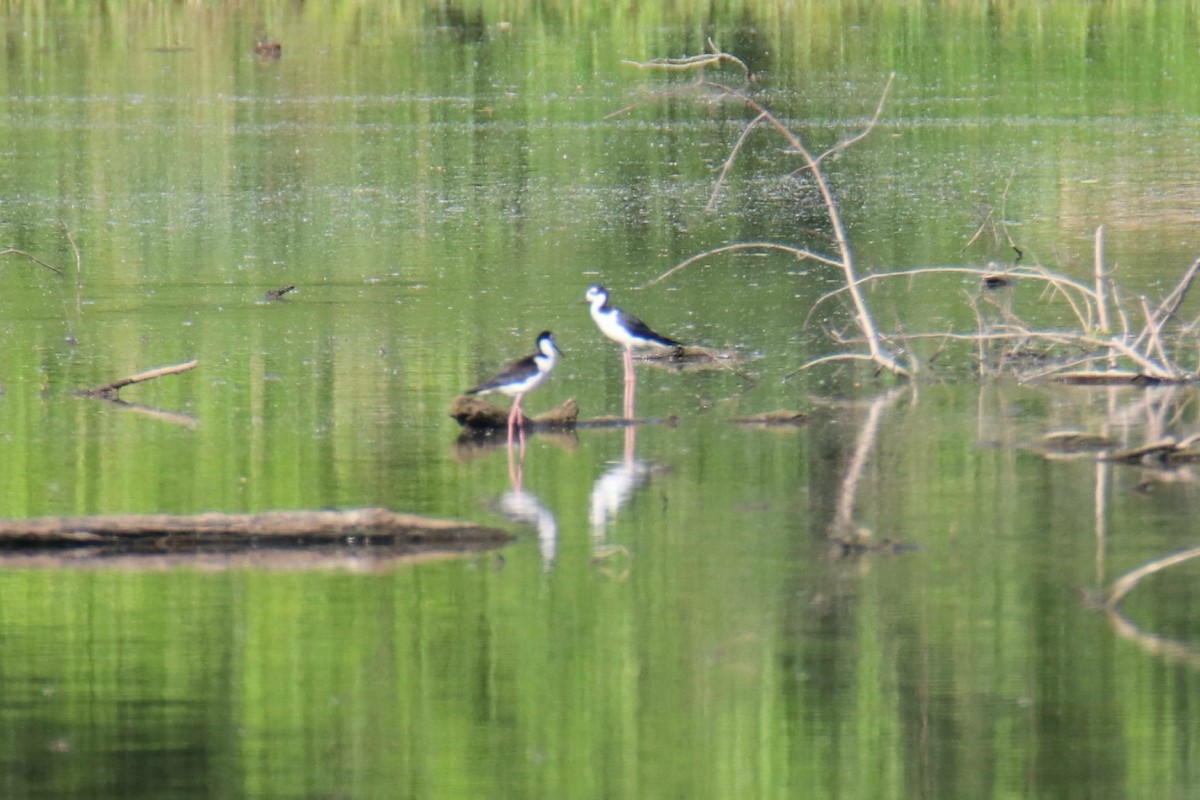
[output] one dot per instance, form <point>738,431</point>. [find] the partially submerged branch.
<point>109,391</point>
<point>1157,353</point>
<point>763,116</point>
<point>12,251</point>
<point>713,58</point>
<point>801,254</point>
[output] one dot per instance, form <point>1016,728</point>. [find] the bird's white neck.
<point>547,357</point>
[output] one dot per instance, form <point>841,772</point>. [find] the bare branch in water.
<point>1094,304</point>
<point>800,253</point>
<point>878,353</point>
<point>733,153</point>
<point>714,57</point>
<point>12,251</point>
<point>109,390</point>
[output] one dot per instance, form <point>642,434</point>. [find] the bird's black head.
<point>596,295</point>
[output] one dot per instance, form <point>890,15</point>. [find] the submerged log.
<point>271,528</point>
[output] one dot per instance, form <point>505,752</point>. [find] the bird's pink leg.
<point>513,415</point>
<point>630,381</point>
<point>514,418</point>
<point>516,473</point>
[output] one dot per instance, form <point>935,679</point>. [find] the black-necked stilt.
<point>625,329</point>
<point>522,376</point>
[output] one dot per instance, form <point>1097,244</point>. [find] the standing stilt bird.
<point>522,376</point>
<point>626,330</point>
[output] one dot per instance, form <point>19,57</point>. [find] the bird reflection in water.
<point>612,490</point>
<point>526,509</point>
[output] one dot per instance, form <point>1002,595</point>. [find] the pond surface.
<point>675,617</point>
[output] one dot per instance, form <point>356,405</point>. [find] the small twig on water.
<point>277,294</point>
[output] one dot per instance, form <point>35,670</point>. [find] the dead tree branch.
<point>12,251</point>
<point>763,116</point>
<point>109,391</point>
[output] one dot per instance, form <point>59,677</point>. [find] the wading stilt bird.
<point>522,376</point>
<point>626,330</point>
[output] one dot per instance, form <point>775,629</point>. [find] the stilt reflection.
<point>614,488</point>
<point>526,509</point>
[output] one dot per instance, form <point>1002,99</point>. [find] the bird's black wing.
<point>515,372</point>
<point>643,331</point>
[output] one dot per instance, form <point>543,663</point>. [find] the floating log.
<point>1164,452</point>
<point>1110,378</point>
<point>774,419</point>
<point>1072,442</point>
<point>266,529</point>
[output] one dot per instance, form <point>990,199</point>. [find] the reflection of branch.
<point>863,445</point>
<point>109,391</point>
<point>174,417</point>
<point>1152,642</point>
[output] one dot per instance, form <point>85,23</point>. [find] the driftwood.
<point>267,529</point>
<point>778,418</point>
<point>1065,443</point>
<point>109,391</point>
<point>1166,452</point>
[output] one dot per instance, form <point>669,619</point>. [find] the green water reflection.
<point>674,619</point>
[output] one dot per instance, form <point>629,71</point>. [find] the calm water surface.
<point>674,618</point>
